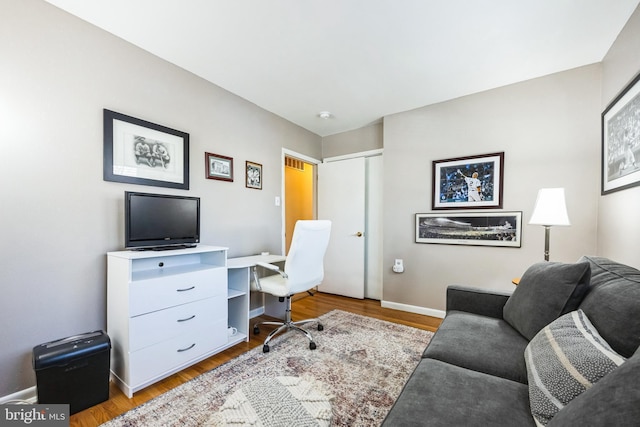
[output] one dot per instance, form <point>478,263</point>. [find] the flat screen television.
<point>160,221</point>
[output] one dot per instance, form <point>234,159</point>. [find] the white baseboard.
<point>28,395</point>
<point>413,309</point>
<point>256,312</point>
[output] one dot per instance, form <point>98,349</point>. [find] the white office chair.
<point>303,270</point>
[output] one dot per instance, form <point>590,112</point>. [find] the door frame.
<point>283,198</point>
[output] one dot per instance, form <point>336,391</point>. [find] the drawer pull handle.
<point>185,289</point>
<point>188,348</point>
<point>188,318</point>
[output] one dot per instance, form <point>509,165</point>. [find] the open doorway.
<point>299,193</point>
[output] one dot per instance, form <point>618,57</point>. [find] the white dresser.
<point>167,310</point>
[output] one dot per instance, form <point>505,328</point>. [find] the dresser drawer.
<point>171,290</point>
<point>156,360</point>
<point>152,328</point>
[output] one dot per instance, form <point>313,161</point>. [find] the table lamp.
<point>550,209</point>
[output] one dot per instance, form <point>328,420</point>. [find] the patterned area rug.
<point>361,362</point>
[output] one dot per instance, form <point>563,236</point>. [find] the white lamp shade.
<point>550,208</point>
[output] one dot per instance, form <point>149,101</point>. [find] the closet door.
<point>341,199</point>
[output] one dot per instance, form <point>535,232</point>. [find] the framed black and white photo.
<point>621,140</point>
<point>254,175</point>
<point>471,182</point>
<point>218,167</point>
<point>473,228</point>
<point>140,152</point>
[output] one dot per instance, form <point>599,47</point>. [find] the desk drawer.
<point>152,328</point>
<point>162,292</point>
<point>156,360</point>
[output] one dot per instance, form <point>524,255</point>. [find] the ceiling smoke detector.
<point>324,115</point>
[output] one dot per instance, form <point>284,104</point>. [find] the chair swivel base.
<point>286,326</point>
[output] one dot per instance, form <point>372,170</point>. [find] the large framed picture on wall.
<point>140,152</point>
<point>621,140</point>
<point>472,228</point>
<point>470,182</point>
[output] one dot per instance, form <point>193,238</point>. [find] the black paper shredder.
<point>73,370</point>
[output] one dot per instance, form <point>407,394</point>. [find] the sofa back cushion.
<point>612,303</point>
<point>547,290</point>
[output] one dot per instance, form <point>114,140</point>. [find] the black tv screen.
<point>160,220</point>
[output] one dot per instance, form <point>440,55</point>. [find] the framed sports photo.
<point>473,228</point>
<point>621,140</point>
<point>472,182</point>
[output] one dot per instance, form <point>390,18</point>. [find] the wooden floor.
<point>304,307</point>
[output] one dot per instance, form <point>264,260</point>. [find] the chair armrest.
<point>272,267</point>
<point>476,300</point>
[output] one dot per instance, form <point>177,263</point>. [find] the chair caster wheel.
<point>312,345</point>
<point>320,327</point>
<point>265,348</point>
<point>256,330</point>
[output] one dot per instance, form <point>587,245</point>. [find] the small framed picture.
<point>218,167</point>
<point>472,182</point>
<point>254,175</point>
<point>621,140</point>
<point>473,228</point>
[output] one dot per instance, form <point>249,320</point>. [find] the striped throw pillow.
<point>563,360</point>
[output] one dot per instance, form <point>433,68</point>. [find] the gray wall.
<point>549,131</point>
<point>364,139</point>
<point>58,216</point>
<point>618,225</point>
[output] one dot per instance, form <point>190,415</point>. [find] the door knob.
<point>358,234</point>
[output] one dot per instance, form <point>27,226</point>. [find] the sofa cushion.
<point>563,360</point>
<point>481,343</point>
<point>611,402</point>
<point>547,290</point>
<point>440,394</point>
<point>613,303</point>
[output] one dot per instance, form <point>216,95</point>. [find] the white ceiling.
<point>362,59</point>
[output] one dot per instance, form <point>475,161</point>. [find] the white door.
<point>341,199</point>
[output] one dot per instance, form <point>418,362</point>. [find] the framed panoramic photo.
<point>621,140</point>
<point>141,152</point>
<point>254,175</point>
<point>471,182</point>
<point>473,228</point>
<point>218,167</point>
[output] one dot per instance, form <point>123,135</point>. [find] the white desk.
<point>239,270</point>
<point>250,261</point>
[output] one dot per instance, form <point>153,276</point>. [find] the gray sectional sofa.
<point>561,350</point>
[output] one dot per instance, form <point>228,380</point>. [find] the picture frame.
<point>218,167</point>
<point>472,228</point>
<point>620,126</point>
<point>471,182</point>
<point>140,152</point>
<point>253,175</point>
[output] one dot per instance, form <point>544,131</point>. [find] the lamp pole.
<point>547,229</point>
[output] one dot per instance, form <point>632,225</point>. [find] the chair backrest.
<point>305,260</point>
